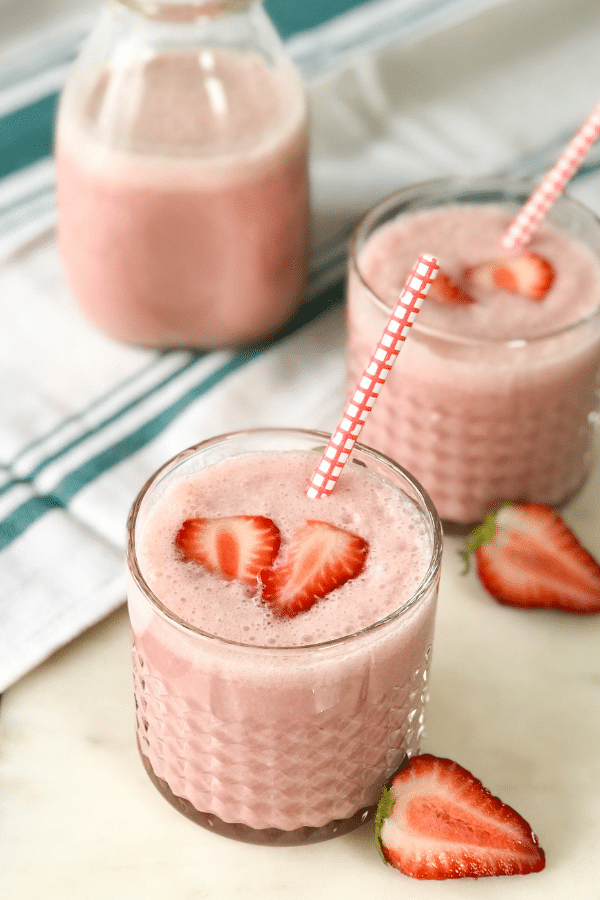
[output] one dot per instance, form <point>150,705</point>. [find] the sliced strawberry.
<point>232,546</point>
<point>321,558</point>
<point>438,821</point>
<point>528,274</point>
<point>446,290</point>
<point>527,556</point>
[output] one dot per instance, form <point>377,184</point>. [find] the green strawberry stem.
<point>385,808</point>
<point>481,536</point>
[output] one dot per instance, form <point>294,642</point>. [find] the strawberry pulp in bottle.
<point>262,725</point>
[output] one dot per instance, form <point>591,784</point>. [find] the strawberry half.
<point>529,274</point>
<point>437,821</point>
<point>232,546</point>
<point>446,290</point>
<point>321,558</point>
<point>527,556</point>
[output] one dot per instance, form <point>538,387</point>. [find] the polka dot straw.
<point>519,232</point>
<point>373,378</point>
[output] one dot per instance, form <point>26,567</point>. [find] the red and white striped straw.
<point>519,232</point>
<point>373,378</point>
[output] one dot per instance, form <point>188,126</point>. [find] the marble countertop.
<point>515,698</point>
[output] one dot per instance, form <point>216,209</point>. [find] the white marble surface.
<point>515,697</point>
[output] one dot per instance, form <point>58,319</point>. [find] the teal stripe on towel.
<point>26,135</point>
<point>290,18</point>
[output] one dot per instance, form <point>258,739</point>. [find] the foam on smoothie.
<point>465,235</point>
<point>273,485</point>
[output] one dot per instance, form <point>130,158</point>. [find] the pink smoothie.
<point>484,403</point>
<point>183,212</point>
<point>281,729</point>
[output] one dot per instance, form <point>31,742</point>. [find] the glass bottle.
<point>182,175</point>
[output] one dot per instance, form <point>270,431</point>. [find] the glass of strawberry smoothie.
<point>492,399</point>
<point>280,644</point>
<point>182,175</point>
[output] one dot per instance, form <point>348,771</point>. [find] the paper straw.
<point>519,232</point>
<point>373,378</point>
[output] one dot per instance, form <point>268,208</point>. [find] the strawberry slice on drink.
<point>527,556</point>
<point>321,558</point>
<point>528,274</point>
<point>448,291</point>
<point>232,546</point>
<point>437,821</point>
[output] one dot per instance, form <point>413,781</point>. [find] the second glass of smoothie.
<point>262,727</point>
<point>494,400</point>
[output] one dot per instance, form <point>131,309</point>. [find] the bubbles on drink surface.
<point>272,485</point>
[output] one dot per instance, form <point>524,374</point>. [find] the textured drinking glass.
<point>271,744</point>
<point>481,420</point>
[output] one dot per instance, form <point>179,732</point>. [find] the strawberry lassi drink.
<point>494,396</point>
<point>281,644</point>
<point>183,199</point>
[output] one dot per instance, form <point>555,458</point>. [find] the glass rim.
<point>524,186</point>
<point>427,582</point>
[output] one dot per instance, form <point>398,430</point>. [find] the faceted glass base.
<point>275,837</point>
